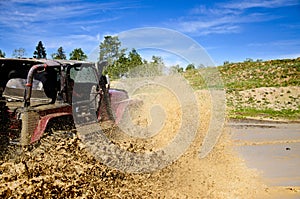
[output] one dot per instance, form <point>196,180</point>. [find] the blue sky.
<point>227,30</point>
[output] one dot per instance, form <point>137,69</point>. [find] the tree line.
<point>120,60</point>
<point>40,53</point>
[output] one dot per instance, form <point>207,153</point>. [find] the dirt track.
<point>61,167</point>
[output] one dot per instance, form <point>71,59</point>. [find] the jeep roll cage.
<point>54,75</point>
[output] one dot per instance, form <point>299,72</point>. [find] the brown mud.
<point>62,167</point>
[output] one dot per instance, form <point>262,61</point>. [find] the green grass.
<point>250,75</point>
<point>195,79</point>
<point>204,78</point>
<point>265,113</point>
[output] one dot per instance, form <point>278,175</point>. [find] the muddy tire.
<point>63,123</point>
<point>30,120</point>
<point>4,125</point>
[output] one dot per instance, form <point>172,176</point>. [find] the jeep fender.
<point>42,125</point>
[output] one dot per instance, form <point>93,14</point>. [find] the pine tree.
<point>78,54</point>
<point>110,49</point>
<point>40,52</point>
<point>135,58</point>
<point>60,54</point>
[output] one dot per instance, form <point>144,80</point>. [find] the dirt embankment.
<point>275,98</point>
<point>61,167</point>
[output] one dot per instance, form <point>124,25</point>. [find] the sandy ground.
<point>63,166</point>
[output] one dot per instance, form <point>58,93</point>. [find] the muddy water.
<point>271,148</point>
<point>279,166</point>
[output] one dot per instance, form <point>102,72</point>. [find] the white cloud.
<point>226,24</point>
<point>34,16</point>
<point>241,5</point>
<point>68,23</point>
<point>225,18</point>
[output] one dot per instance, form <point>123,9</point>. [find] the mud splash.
<point>62,167</point>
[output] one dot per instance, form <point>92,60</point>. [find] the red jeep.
<point>36,95</point>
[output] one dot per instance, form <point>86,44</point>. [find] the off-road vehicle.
<point>38,95</point>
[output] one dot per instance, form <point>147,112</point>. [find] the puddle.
<point>272,149</point>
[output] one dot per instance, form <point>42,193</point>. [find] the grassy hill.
<point>248,75</point>
<point>264,89</point>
